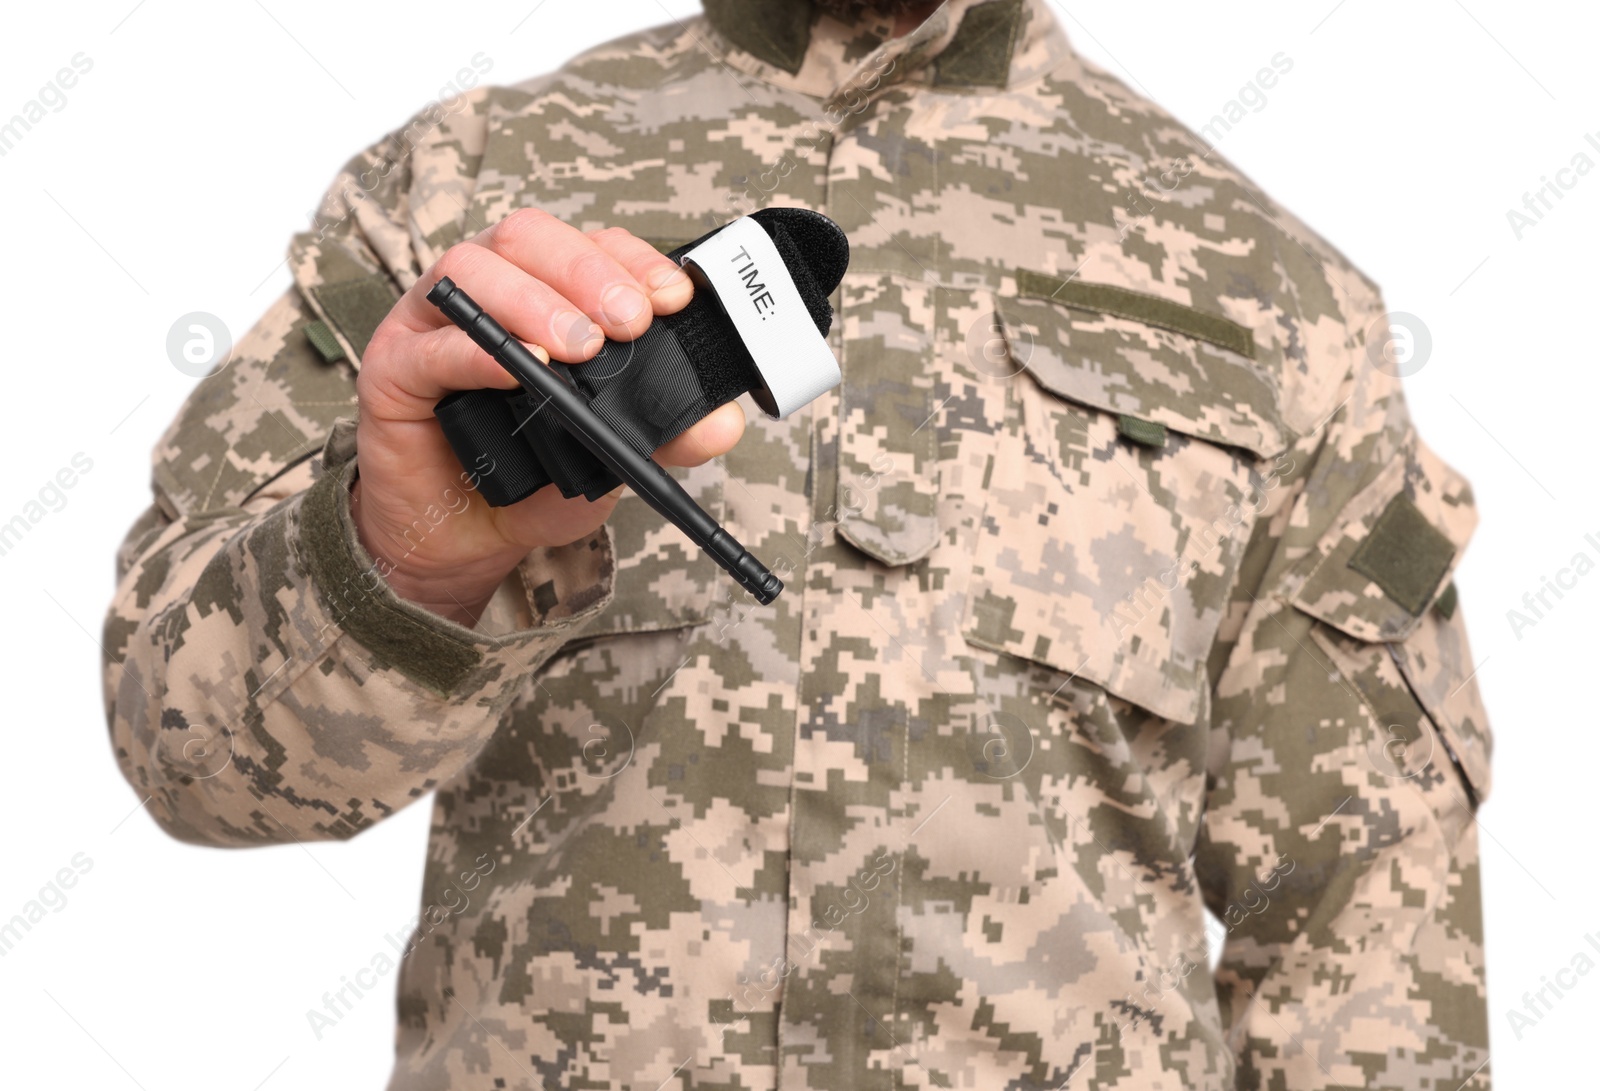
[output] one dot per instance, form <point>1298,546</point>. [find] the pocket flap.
<point>1391,552</point>
<point>1107,551</point>
<point>1145,357</point>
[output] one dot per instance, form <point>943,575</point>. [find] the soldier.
<point>1119,590</point>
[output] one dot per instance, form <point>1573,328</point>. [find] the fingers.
<point>432,365</point>
<point>408,369</point>
<point>532,310</point>
<point>669,286</point>
<point>557,290</point>
<point>556,286</point>
<point>572,263</point>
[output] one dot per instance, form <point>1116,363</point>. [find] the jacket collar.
<point>962,46</point>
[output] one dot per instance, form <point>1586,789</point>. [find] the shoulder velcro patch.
<point>357,307</point>
<point>1405,555</point>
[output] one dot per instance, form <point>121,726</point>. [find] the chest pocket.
<point>1137,454</point>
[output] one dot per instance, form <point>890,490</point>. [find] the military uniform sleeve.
<point>263,683</point>
<point>1349,757</point>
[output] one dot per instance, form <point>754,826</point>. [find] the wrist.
<point>459,592</point>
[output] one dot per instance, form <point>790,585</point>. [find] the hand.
<point>559,291</point>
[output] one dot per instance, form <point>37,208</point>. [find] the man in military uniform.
<point>1119,590</point>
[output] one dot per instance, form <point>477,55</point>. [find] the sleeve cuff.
<point>563,588</point>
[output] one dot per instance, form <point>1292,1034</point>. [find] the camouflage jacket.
<point>1119,590</point>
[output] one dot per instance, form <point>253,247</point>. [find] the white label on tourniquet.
<point>755,289</point>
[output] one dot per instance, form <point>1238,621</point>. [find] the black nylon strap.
<point>650,390</point>
<point>483,433</point>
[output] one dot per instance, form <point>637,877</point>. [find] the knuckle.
<point>461,260</point>
<point>520,228</point>
<point>529,300</point>
<point>589,269</point>
<point>611,234</point>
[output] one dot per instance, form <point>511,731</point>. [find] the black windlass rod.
<point>639,472</point>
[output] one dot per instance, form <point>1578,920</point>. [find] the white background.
<point>173,177</point>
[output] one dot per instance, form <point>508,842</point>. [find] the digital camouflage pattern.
<point>1072,650</point>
